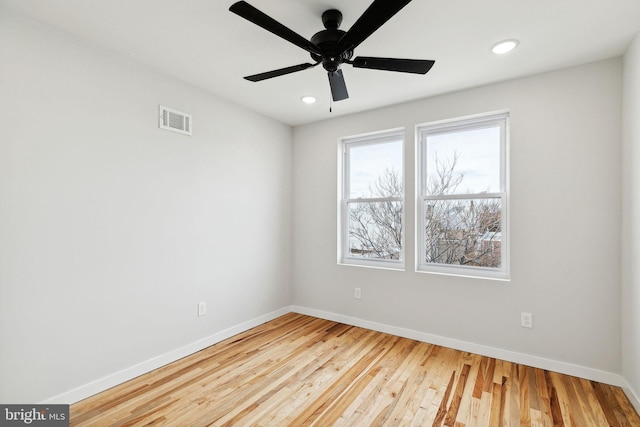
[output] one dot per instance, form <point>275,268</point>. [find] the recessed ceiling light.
<point>308,99</point>
<point>504,46</point>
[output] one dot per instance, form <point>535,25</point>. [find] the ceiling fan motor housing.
<point>333,47</point>
<point>327,41</point>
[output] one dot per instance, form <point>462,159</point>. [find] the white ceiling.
<point>201,42</point>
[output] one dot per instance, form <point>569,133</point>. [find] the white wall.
<point>565,223</point>
<point>111,230</point>
<point>631,220</point>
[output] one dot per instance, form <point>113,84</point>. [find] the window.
<point>462,197</point>
<point>372,202</point>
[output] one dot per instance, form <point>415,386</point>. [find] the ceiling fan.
<point>333,47</point>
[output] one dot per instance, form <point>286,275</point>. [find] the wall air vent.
<point>176,121</point>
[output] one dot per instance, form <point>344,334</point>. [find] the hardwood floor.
<point>299,370</point>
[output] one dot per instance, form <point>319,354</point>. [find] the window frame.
<point>475,122</point>
<point>344,146</point>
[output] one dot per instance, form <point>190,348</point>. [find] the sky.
<point>478,160</point>
<point>369,162</point>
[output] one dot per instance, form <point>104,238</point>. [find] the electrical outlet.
<point>526,320</point>
<point>202,308</point>
<point>357,293</point>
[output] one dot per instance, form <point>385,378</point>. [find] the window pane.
<point>463,162</point>
<point>375,230</point>
<point>375,170</point>
<point>463,232</point>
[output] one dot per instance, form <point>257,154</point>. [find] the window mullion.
<point>463,196</point>
<point>374,199</point>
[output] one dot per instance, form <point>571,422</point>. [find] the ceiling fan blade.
<point>250,13</point>
<point>417,66</point>
<point>338,86</point>
<point>379,12</point>
<point>279,72</point>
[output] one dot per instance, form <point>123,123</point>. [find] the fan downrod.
<point>331,19</point>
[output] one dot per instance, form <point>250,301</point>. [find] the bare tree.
<point>460,231</point>
<point>445,180</point>
<point>464,231</point>
<point>375,228</point>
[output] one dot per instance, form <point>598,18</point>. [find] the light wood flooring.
<point>300,371</point>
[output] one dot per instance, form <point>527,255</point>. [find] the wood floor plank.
<point>333,390</point>
<point>452,413</point>
<point>467,414</point>
<point>442,409</point>
<point>612,420</point>
<point>543,397</point>
<point>479,382</point>
<point>625,413</point>
<point>556,410</point>
<point>414,372</point>
<point>578,417</point>
<point>489,376</point>
<point>495,415</point>
<point>590,402</point>
<point>525,401</point>
<point>299,370</point>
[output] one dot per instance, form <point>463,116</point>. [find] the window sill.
<point>494,276</point>
<point>379,265</point>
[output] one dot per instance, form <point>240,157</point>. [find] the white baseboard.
<point>634,397</point>
<point>510,356</point>
<point>127,374</point>
<point>134,371</point>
